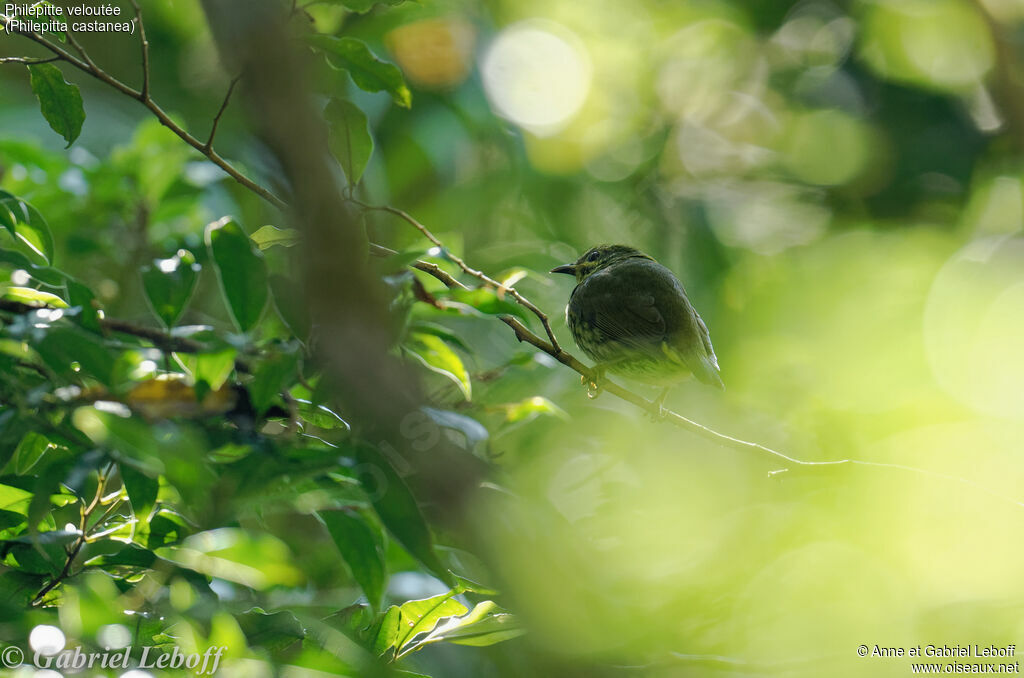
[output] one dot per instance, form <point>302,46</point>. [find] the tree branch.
<point>27,61</point>
<point>223,107</point>
<point>144,44</point>
<point>158,338</point>
<point>479,275</point>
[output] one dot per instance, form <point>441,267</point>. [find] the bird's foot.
<point>662,413</point>
<point>595,382</point>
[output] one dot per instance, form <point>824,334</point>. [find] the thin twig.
<point>27,61</point>
<point>479,275</point>
<point>157,337</point>
<point>73,552</point>
<point>81,51</point>
<point>427,267</point>
<point>223,107</point>
<point>144,43</point>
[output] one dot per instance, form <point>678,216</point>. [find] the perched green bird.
<point>631,315</point>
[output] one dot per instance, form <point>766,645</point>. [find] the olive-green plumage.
<point>631,315</point>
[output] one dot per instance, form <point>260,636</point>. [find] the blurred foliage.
<point>840,185</point>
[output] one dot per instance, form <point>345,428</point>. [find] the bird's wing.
<point>681,332</point>
<point>623,314</point>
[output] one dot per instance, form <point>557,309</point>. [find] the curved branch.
<point>479,275</point>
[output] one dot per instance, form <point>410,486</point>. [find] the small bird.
<point>631,315</point>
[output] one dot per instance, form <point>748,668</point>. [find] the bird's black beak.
<point>565,268</point>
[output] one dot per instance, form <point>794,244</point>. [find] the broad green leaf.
<point>441,332</point>
<point>142,490</point>
<point>258,561</point>
<point>82,297</point>
<point>33,297</point>
<point>274,632</point>
<point>268,236</point>
<point>59,100</point>
<point>488,301</point>
<point>494,628</point>
<point>30,450</point>
<point>368,72</point>
<point>209,370</point>
<point>241,271</point>
<point>387,632</point>
<point>397,509</point>
<point>71,352</point>
<point>531,408</point>
<point>350,141</point>
<point>27,226</point>
<point>14,499</point>
<point>17,260</point>
<point>320,416</point>
<point>360,543</point>
<point>438,357</point>
<point>169,284</point>
<point>271,376</point>
<point>474,432</point>
<point>484,625</point>
<point>291,305</point>
<point>421,616</point>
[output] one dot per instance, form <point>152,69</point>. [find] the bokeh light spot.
<point>537,76</point>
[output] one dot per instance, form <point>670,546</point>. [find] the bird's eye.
<point>594,256</point>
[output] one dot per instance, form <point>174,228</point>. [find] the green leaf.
<point>271,376</point>
<point>494,628</point>
<point>142,490</point>
<point>441,332</point>
<point>13,259</point>
<point>274,632</point>
<point>30,450</point>
<point>14,499</point>
<point>33,297</point>
<point>397,509</point>
<point>421,616</point>
<point>82,297</point>
<point>241,271</point>
<point>27,226</point>
<point>438,357</point>
<point>209,370</point>
<point>475,433</point>
<point>59,100</point>
<point>291,305</point>
<point>488,301</point>
<point>320,416</point>
<point>360,543</point>
<point>169,284</point>
<point>70,351</point>
<point>531,408</point>
<point>368,72</point>
<point>269,236</point>
<point>350,140</point>
<point>258,561</point>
